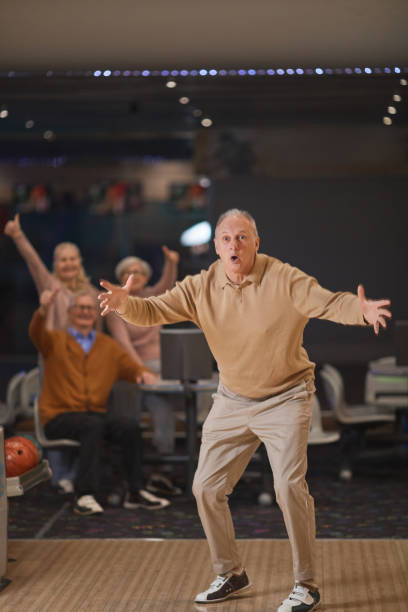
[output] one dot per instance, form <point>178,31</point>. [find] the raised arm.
<point>39,272</point>
<point>40,336</point>
<point>169,274</point>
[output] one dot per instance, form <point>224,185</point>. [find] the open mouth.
<point>234,258</point>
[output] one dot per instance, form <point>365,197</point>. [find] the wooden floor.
<point>164,576</point>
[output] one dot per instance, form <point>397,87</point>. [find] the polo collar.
<point>254,277</point>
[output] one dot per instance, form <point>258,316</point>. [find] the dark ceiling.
<point>87,114</point>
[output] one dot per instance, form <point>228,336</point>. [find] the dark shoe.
<point>224,587</point>
<point>161,485</point>
<point>144,499</point>
<point>87,505</point>
<point>301,599</point>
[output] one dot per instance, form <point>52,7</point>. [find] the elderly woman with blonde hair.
<point>68,274</point>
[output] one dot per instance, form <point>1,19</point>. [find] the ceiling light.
<point>171,84</point>
<point>3,113</point>
<point>184,100</point>
<point>29,124</point>
<point>392,110</point>
<point>403,82</point>
<point>49,135</point>
<point>396,98</point>
<point>387,120</point>
<point>200,233</point>
<point>206,122</point>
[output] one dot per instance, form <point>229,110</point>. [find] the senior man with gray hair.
<point>80,368</point>
<point>253,309</point>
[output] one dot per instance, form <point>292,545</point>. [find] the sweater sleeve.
<point>166,281</point>
<point>128,368</point>
<point>42,277</point>
<point>41,337</point>
<point>313,301</point>
<point>119,331</point>
<point>171,307</point>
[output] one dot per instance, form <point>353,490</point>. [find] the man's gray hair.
<point>124,264</point>
<point>234,212</point>
<point>73,298</point>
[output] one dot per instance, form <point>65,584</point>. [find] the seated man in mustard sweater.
<point>80,368</point>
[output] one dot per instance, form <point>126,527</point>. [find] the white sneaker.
<point>65,486</point>
<point>86,505</point>
<point>301,599</point>
<point>224,587</point>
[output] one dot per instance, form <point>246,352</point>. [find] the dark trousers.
<point>92,429</point>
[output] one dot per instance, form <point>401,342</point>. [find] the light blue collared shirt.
<point>85,341</point>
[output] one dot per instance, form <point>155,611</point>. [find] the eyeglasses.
<point>83,308</point>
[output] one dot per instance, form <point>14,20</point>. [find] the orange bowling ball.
<point>21,455</point>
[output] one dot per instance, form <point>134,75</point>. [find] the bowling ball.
<point>21,455</point>
<point>35,442</point>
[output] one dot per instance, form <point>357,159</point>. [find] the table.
<point>190,390</point>
<point>386,385</point>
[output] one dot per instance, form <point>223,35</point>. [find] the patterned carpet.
<point>373,505</point>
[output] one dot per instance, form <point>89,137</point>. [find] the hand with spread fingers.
<point>115,297</point>
<point>374,311</point>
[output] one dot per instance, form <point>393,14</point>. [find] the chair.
<point>354,419</point>
<point>317,434</point>
<point>10,409</point>
<point>30,388</point>
<point>62,466</point>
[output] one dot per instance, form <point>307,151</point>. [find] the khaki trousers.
<point>231,433</point>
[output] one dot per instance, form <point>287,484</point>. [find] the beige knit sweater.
<point>254,330</point>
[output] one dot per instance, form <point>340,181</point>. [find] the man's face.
<point>236,244</point>
<point>82,315</point>
<point>139,277</point>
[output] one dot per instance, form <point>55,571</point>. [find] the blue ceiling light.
<point>203,72</point>
<point>184,73</point>
<point>165,73</point>
<point>107,73</point>
<point>242,72</point>
<point>251,72</point>
<point>290,71</point>
<point>397,70</point>
<point>193,72</point>
<point>319,71</point>
<point>116,73</point>
<point>300,71</point>
<point>280,71</point>
<point>328,70</point>
<point>348,71</point>
<point>213,72</point>
<point>368,70</point>
<point>387,70</point>
<point>146,73</point>
<point>357,70</point>
<point>174,73</point>
<point>126,73</point>
<point>97,73</point>
<point>270,71</point>
<point>222,72</point>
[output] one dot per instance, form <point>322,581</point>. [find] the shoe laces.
<point>217,583</point>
